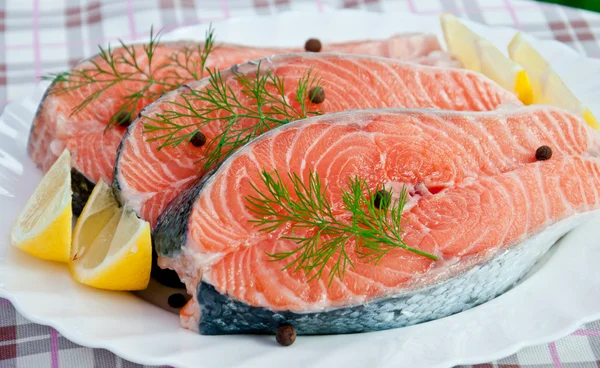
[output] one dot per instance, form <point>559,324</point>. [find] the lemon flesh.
<point>479,55</point>
<point>111,246</point>
<point>548,88</point>
<point>43,228</point>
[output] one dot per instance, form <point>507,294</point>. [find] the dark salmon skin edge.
<point>82,188</point>
<point>220,314</point>
<point>169,235</point>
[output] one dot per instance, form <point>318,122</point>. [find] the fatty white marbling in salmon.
<point>148,178</point>
<point>485,207</point>
<point>57,125</point>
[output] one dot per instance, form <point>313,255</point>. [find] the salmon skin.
<point>93,149</point>
<point>478,200</point>
<point>147,179</point>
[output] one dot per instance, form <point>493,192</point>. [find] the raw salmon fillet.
<point>93,150</point>
<point>478,200</point>
<point>147,179</point>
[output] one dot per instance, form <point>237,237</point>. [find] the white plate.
<point>563,294</point>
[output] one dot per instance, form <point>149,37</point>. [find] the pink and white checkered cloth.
<point>38,37</point>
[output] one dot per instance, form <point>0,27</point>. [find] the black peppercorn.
<point>316,95</point>
<point>312,45</point>
<point>285,335</point>
<point>382,198</point>
<point>123,119</point>
<point>177,300</point>
<point>543,153</point>
<point>198,139</point>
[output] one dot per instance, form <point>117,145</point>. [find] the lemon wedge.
<point>479,55</point>
<point>548,88</point>
<point>111,245</point>
<point>43,228</point>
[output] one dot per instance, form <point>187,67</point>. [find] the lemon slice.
<point>548,87</point>
<point>43,228</point>
<point>479,55</point>
<point>111,245</point>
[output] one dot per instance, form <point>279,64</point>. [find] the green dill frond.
<point>117,66</point>
<point>217,103</point>
<point>376,230</point>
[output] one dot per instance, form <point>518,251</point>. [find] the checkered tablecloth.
<point>43,36</point>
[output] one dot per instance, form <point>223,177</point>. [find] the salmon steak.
<point>149,174</point>
<point>480,206</point>
<point>86,109</point>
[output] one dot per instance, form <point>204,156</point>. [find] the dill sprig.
<point>121,65</point>
<point>194,59</point>
<point>264,101</point>
<point>374,225</point>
